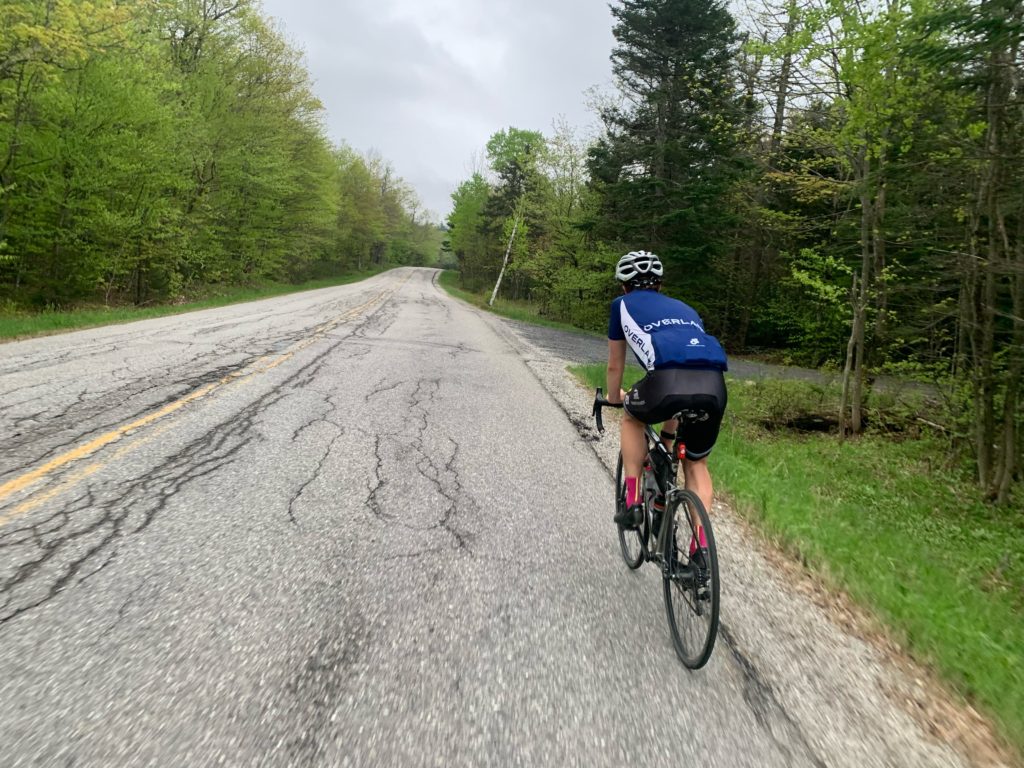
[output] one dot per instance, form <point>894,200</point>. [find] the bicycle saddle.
<point>698,408</point>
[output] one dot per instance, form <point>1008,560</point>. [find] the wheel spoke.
<point>693,619</point>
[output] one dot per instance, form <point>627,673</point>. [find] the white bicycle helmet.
<point>639,266</point>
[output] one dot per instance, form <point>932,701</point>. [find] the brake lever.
<point>597,410</point>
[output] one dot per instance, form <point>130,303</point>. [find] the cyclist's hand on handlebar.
<point>617,399</point>
<point>601,401</point>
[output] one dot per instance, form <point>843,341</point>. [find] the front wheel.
<point>630,540</point>
<point>691,586</point>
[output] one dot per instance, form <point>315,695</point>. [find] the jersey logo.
<point>695,342</point>
<point>672,321</point>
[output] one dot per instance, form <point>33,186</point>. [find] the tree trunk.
<point>750,290</point>
<point>848,367</point>
<point>878,244</point>
<point>855,351</point>
<point>508,251</point>
<point>782,88</point>
<point>990,231</point>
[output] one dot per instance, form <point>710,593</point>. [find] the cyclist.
<point>685,369</point>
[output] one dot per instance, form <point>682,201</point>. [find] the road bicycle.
<point>691,586</point>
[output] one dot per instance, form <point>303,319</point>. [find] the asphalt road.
<point>343,527</point>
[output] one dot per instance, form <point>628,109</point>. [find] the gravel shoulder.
<point>821,675</point>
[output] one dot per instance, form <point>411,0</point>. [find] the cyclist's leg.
<point>630,432</point>
<point>633,444</point>
<point>632,441</point>
<point>640,407</point>
<point>698,480</point>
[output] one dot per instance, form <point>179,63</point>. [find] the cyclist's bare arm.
<point>616,367</point>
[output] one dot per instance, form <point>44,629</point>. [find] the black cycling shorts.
<point>698,394</point>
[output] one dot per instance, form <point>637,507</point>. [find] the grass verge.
<point>514,310</point>
<point>885,521</point>
<point>14,325</point>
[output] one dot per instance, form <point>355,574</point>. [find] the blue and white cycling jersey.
<point>664,332</point>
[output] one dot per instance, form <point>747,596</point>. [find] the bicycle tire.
<point>692,619</point>
<point>630,539</point>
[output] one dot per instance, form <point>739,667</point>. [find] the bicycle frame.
<point>665,467</point>
<point>665,478</point>
<point>690,582</point>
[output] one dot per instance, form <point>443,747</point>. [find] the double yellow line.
<point>261,365</point>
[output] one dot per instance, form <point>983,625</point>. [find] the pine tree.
<point>670,154</point>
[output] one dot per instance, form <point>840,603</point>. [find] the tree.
<point>148,147</point>
<point>667,163</point>
<point>42,46</point>
<point>981,45</point>
<point>466,236</point>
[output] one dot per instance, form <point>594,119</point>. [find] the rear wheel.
<point>691,587</point>
<point>630,540</point>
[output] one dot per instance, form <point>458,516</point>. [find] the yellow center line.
<point>20,483</point>
<point>260,365</point>
<point>275,363</point>
<point>41,498</point>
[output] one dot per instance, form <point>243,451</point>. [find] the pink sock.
<point>632,491</point>
<point>703,541</point>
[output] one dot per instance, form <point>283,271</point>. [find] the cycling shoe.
<point>630,517</point>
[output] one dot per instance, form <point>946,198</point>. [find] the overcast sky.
<point>426,82</point>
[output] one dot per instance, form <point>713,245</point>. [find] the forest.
<point>828,182</point>
<point>150,149</point>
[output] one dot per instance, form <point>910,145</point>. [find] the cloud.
<point>426,82</point>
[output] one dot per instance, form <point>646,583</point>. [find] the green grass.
<point>594,375</point>
<point>514,310</point>
<point>15,324</point>
<point>887,521</point>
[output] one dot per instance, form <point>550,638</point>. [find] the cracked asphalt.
<point>351,526</point>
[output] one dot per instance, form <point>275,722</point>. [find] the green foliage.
<point>146,148</point>
<point>556,264</point>
<point>468,236</point>
<point>780,404</point>
<point>514,310</point>
<point>514,155</point>
<point>809,308</point>
<point>818,274</point>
